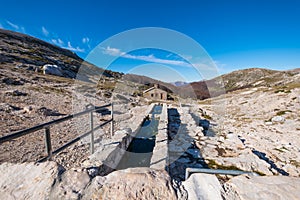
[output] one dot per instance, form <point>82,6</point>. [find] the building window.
<point>151,95</point>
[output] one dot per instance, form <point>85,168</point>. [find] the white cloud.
<point>85,40</point>
<point>204,67</point>
<point>149,58</point>
<point>22,29</point>
<point>113,51</point>
<point>219,64</point>
<point>57,42</point>
<point>16,27</point>
<point>45,31</point>
<point>60,41</point>
<point>12,25</point>
<point>1,25</point>
<point>71,48</point>
<point>152,58</point>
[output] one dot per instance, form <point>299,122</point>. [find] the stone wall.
<point>160,151</point>
<point>156,93</point>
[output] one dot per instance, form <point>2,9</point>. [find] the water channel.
<point>140,150</point>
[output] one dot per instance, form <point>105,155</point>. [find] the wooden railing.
<point>46,126</point>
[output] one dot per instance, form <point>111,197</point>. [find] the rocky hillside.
<point>18,50</point>
<point>193,90</point>
<point>23,51</point>
<point>179,83</point>
<point>247,78</point>
<point>258,124</point>
<point>258,77</point>
<point>253,127</point>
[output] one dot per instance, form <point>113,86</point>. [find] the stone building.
<point>155,93</point>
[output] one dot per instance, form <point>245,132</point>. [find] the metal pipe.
<point>41,126</point>
<point>73,141</point>
<point>189,171</point>
<point>112,121</point>
<point>48,142</point>
<point>92,133</point>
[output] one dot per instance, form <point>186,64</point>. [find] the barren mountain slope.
<point>259,122</point>
<point>23,51</point>
<point>246,78</point>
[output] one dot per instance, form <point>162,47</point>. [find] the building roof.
<point>148,89</point>
<point>152,88</point>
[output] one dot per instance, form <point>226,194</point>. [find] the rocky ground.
<point>29,98</point>
<point>258,132</point>
<point>253,129</point>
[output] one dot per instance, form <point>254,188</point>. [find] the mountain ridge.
<point>244,78</point>
<point>24,51</point>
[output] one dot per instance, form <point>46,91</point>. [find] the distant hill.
<point>258,77</point>
<point>24,51</point>
<point>179,83</point>
<point>144,80</point>
<point>246,78</point>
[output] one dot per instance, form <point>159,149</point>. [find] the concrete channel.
<point>146,146</point>
<point>160,151</point>
<point>140,149</point>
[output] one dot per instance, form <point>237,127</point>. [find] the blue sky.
<point>236,34</point>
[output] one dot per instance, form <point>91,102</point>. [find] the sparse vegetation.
<point>280,90</point>
<point>137,93</point>
<point>106,86</point>
<point>206,116</point>
<point>213,165</point>
<point>259,173</point>
<point>280,150</point>
<point>283,90</point>
<point>293,85</point>
<point>282,112</point>
<point>48,90</point>
<point>221,151</point>
<point>295,163</point>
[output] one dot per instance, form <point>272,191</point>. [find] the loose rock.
<point>262,187</point>
<point>132,183</point>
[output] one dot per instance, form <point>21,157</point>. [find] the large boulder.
<point>203,187</point>
<point>262,187</point>
<point>27,180</point>
<point>5,107</point>
<point>52,70</point>
<point>246,161</point>
<point>70,185</point>
<point>278,119</point>
<point>132,183</point>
